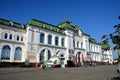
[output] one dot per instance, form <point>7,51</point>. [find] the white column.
<point>29,34</point>
<point>8,35</point>
<point>12,54</point>
<point>46,54</point>
<point>60,41</point>
<point>37,37</point>
<point>53,39</point>
<point>46,38</point>
<point>67,46</point>
<point>28,38</point>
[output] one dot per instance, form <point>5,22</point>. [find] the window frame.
<point>56,40</point>
<point>10,36</point>
<point>42,37</point>
<point>49,39</point>
<point>62,42</point>
<point>5,35</point>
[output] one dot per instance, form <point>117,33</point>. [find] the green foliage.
<point>113,37</point>
<point>12,64</point>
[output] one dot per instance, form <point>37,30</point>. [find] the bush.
<point>12,64</point>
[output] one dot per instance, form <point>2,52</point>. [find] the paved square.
<point>104,72</point>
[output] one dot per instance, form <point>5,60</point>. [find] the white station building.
<point>38,41</point>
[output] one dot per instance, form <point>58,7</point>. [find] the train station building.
<point>39,41</point>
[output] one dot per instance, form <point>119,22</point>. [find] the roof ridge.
<point>44,22</point>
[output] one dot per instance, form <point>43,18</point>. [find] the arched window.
<point>62,42</point>
<point>21,38</point>
<point>18,53</point>
<point>49,55</point>
<point>6,52</point>
<point>42,57</point>
<point>56,41</point>
<point>5,36</point>
<point>42,38</point>
<point>10,23</point>
<point>17,38</point>
<point>49,39</point>
<point>10,37</point>
<point>45,54</point>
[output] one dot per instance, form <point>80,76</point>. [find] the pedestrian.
<point>85,63</point>
<point>82,63</point>
<point>42,65</point>
<point>94,63</point>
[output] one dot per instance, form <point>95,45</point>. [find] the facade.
<point>38,41</point>
<point>107,56</point>
<point>95,50</point>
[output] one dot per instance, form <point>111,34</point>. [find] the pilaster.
<point>46,38</point>
<point>60,41</point>
<point>12,55</point>
<point>53,39</point>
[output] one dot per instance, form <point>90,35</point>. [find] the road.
<point>104,72</point>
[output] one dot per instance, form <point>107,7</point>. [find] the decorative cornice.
<point>95,52</point>
<point>46,45</point>
<point>80,49</point>
<point>14,42</point>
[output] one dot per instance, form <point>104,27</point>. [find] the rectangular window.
<point>78,44</point>
<point>49,39</point>
<point>63,42</point>
<point>10,37</point>
<point>56,41</point>
<point>81,45</point>
<point>73,43</point>
<point>17,38</point>
<point>6,35</point>
<point>21,38</point>
<point>42,38</point>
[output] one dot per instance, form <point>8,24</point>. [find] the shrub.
<point>12,64</point>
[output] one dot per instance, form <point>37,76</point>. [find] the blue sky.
<point>95,17</point>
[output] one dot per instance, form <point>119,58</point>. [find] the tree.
<point>113,37</point>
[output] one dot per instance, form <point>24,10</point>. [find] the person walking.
<point>85,63</point>
<point>42,66</point>
<point>95,63</point>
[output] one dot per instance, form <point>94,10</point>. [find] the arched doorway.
<point>18,53</point>
<point>6,53</point>
<point>79,58</point>
<point>61,58</point>
<point>44,55</point>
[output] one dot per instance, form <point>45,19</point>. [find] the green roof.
<point>93,41</point>
<point>45,25</point>
<point>69,25</point>
<point>39,23</point>
<point>62,26</point>
<point>12,24</point>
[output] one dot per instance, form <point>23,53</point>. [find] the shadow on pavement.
<point>116,78</point>
<point>23,71</point>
